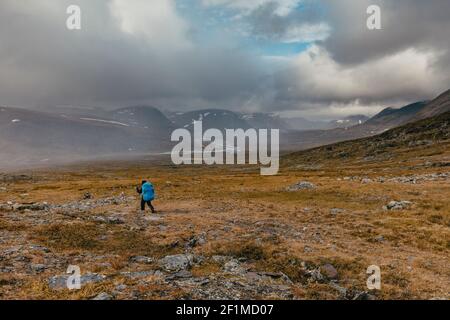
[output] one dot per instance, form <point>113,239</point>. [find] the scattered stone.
<point>363,296</point>
<point>366,181</point>
<point>177,263</point>
<point>329,271</point>
<point>302,185</point>
<point>342,291</point>
<point>38,268</point>
<point>108,220</point>
<point>183,274</point>
<point>60,282</point>
<point>121,287</point>
<point>234,267</point>
<point>315,275</point>
<point>153,218</point>
<point>87,196</point>
<point>336,211</point>
<point>221,259</point>
<point>103,297</point>
<point>398,205</point>
<point>307,249</point>
<point>138,274</point>
<point>37,247</point>
<point>142,259</point>
<point>31,206</point>
<point>276,275</point>
<point>196,240</point>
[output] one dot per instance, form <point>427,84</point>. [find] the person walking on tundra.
<point>147,192</point>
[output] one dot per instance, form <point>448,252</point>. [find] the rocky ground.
<point>225,233</point>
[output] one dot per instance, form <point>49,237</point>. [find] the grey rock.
<point>121,287</point>
<point>221,259</point>
<point>183,274</point>
<point>336,211</point>
<point>36,247</point>
<point>138,274</point>
<point>342,291</point>
<point>103,297</point>
<point>60,282</point>
<point>363,296</point>
<point>177,263</point>
<point>87,196</point>
<point>196,241</point>
<point>398,205</point>
<point>302,185</point>
<point>108,220</point>
<point>329,271</point>
<point>38,267</point>
<point>142,259</point>
<point>234,267</point>
<point>31,206</point>
<point>315,275</point>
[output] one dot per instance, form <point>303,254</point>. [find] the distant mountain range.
<point>224,119</point>
<point>404,141</point>
<point>74,133</point>
<point>384,121</point>
<point>30,137</point>
<point>211,118</point>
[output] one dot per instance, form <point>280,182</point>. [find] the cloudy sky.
<point>314,58</point>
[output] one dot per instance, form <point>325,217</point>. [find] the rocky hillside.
<point>388,119</point>
<point>428,132</point>
<point>31,137</point>
<point>439,105</point>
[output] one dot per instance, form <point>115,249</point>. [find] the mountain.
<point>142,117</point>
<point>413,138</point>
<point>265,121</point>
<point>384,121</point>
<point>390,117</point>
<point>211,118</point>
<point>73,133</point>
<point>438,106</point>
<point>27,137</point>
<point>302,124</point>
<point>223,119</point>
<point>348,122</point>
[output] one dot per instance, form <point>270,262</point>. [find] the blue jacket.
<point>148,192</point>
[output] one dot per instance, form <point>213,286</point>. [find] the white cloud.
<point>314,75</point>
<point>284,7</point>
<point>306,33</point>
<point>156,21</point>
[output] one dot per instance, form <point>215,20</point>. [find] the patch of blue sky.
<point>212,24</point>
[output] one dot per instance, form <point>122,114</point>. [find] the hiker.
<point>147,192</point>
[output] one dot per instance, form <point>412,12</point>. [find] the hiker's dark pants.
<point>149,203</point>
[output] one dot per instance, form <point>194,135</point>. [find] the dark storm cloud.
<point>406,24</point>
<point>44,63</point>
<point>123,57</point>
<point>409,59</point>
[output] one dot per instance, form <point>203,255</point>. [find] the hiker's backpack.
<point>148,192</point>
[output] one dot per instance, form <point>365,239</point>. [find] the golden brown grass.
<point>248,216</point>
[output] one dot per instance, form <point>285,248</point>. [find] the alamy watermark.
<point>374,280</point>
<point>73,21</point>
<point>374,19</point>
<point>236,146</point>
<point>74,280</point>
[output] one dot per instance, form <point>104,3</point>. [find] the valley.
<point>310,232</point>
